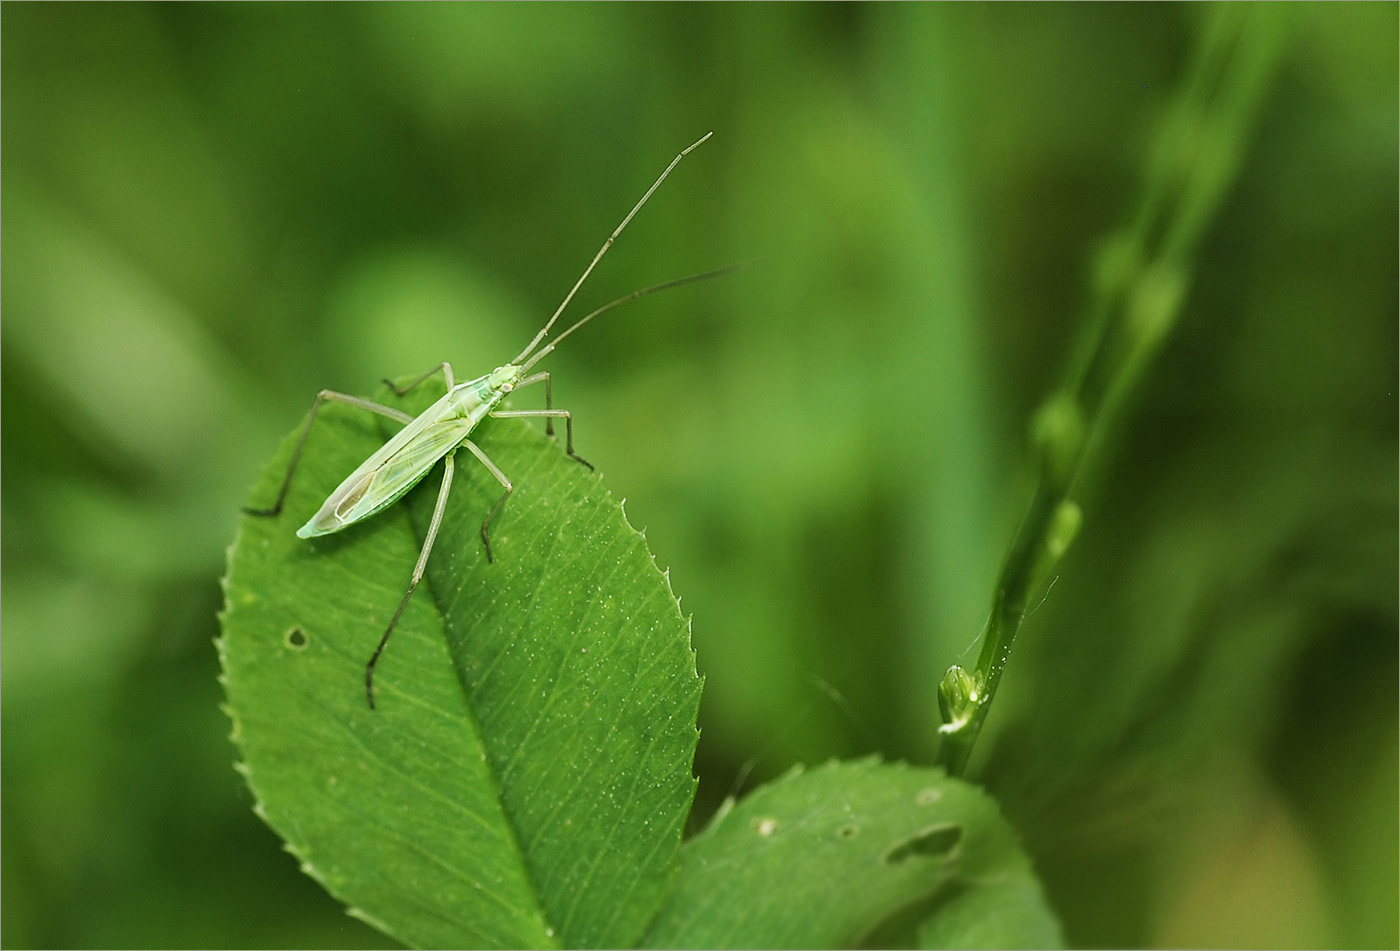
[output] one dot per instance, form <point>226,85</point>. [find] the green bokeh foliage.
<point>210,212</point>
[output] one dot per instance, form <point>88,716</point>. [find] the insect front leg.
<point>495,470</point>
<point>543,377</point>
<point>447,467</point>
<point>549,416</point>
<point>397,416</point>
<point>444,368</point>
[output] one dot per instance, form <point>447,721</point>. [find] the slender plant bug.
<point>446,426</point>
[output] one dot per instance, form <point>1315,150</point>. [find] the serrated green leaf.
<point>843,854</point>
<point>527,774</point>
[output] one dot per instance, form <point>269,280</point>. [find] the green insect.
<point>440,430</point>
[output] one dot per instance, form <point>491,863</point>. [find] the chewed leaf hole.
<point>936,842</point>
<point>848,832</point>
<point>296,639</point>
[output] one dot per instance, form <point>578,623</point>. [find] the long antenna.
<point>604,250</point>
<point>665,285</point>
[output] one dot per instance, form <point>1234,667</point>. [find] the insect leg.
<point>447,467</point>
<point>397,416</point>
<point>550,414</point>
<point>542,377</point>
<point>501,478</point>
<point>445,368</point>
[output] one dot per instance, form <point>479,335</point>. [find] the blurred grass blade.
<point>526,777</point>
<point>863,853</point>
<point>1141,283</point>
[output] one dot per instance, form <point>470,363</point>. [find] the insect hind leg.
<point>418,569</point>
<point>398,416</point>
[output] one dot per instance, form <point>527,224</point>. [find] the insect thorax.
<point>475,398</point>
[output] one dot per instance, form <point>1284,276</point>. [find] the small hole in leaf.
<point>765,827</point>
<point>296,639</point>
<point>848,832</point>
<point>936,842</point>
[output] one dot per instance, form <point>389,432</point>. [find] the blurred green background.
<point>212,211</point>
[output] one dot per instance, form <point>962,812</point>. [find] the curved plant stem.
<point>1139,282</point>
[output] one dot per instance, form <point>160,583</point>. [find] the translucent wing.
<point>396,467</point>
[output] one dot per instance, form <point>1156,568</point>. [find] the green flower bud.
<point>958,696</point>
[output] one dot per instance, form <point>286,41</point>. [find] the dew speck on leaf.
<point>765,827</point>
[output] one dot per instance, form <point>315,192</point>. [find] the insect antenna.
<point>664,286</point>
<point>604,249</point>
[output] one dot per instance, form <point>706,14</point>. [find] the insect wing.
<point>405,468</point>
<point>396,467</point>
